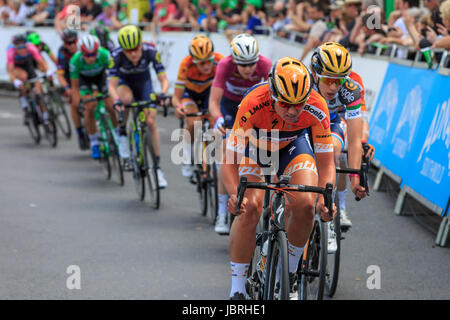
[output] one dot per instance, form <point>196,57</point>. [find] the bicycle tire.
<point>136,162</point>
<point>202,188</point>
<point>213,192</point>
<point>333,259</point>
<point>150,167</point>
<point>60,112</point>
<point>105,151</point>
<point>255,274</point>
<point>52,134</point>
<point>278,251</point>
<point>313,263</point>
<point>33,126</point>
<point>116,164</point>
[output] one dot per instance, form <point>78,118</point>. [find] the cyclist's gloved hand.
<point>118,105</point>
<point>165,101</point>
<point>370,152</point>
<point>219,122</point>
<point>49,74</point>
<point>17,83</point>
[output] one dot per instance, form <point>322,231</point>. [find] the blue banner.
<point>409,127</point>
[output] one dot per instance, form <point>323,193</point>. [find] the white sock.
<point>341,197</point>
<point>93,138</point>
<point>23,102</point>
<point>238,277</point>
<point>294,255</point>
<point>223,204</point>
<point>187,152</point>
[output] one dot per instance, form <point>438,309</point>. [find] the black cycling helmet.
<point>69,35</point>
<point>19,39</point>
<point>102,33</point>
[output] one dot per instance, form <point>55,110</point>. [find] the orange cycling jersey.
<point>353,75</point>
<point>258,123</point>
<point>190,77</point>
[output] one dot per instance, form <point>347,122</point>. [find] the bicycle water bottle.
<point>262,261</point>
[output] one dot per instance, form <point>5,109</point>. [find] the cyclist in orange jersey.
<point>195,76</point>
<point>291,122</point>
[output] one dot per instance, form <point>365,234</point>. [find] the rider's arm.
<point>53,58</point>
<point>214,101</point>
<point>177,96</point>
<point>113,85</point>
<point>11,74</point>
<point>75,92</point>
<point>164,81</point>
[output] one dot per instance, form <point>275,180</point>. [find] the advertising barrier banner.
<point>409,128</point>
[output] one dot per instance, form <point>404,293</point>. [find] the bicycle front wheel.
<point>277,261</point>
<point>313,263</point>
<point>255,274</point>
<point>202,188</point>
<point>334,256</point>
<point>212,191</point>
<point>51,131</point>
<point>33,126</point>
<point>116,164</point>
<point>61,117</point>
<point>137,163</point>
<point>151,170</point>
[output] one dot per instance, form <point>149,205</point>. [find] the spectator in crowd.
<point>254,19</point>
<point>207,15</point>
<point>6,11</point>
<point>61,19</point>
<point>317,30</point>
<point>122,12</point>
<point>108,17</point>
<point>365,32</point>
<point>44,11</point>
<point>278,20</point>
<point>162,16</point>
<point>352,9</point>
<point>89,10</point>
<point>296,13</point>
<point>336,25</point>
<point>230,12</point>
<point>186,13</point>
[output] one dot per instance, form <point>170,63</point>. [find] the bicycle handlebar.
<point>361,172</point>
<point>326,192</point>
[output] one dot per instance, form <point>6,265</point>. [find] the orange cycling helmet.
<point>332,58</point>
<point>290,81</point>
<point>201,48</point>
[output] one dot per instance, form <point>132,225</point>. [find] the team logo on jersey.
<point>111,63</point>
<point>350,85</point>
<point>158,57</point>
<point>318,114</point>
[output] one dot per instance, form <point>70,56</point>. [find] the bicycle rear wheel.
<point>151,170</point>
<point>278,258</point>
<point>202,188</point>
<point>61,117</point>
<point>333,258</point>
<point>313,263</point>
<point>105,151</point>
<point>136,162</point>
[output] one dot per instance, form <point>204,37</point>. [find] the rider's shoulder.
<point>350,91</point>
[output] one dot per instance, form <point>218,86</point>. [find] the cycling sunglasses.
<point>89,55</point>
<point>204,62</point>
<point>132,50</point>
<point>332,80</point>
<point>70,42</point>
<point>20,47</point>
<point>243,65</point>
<point>285,105</point>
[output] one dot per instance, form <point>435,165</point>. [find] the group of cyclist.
<point>302,116</point>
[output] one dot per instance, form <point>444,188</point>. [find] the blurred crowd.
<point>357,24</point>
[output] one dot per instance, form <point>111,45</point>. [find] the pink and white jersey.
<point>228,78</point>
<point>13,58</point>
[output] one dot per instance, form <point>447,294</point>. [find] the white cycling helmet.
<point>89,44</point>
<point>244,49</point>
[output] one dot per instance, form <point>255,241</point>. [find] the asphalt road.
<point>57,210</point>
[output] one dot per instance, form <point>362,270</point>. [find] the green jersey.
<point>79,67</point>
